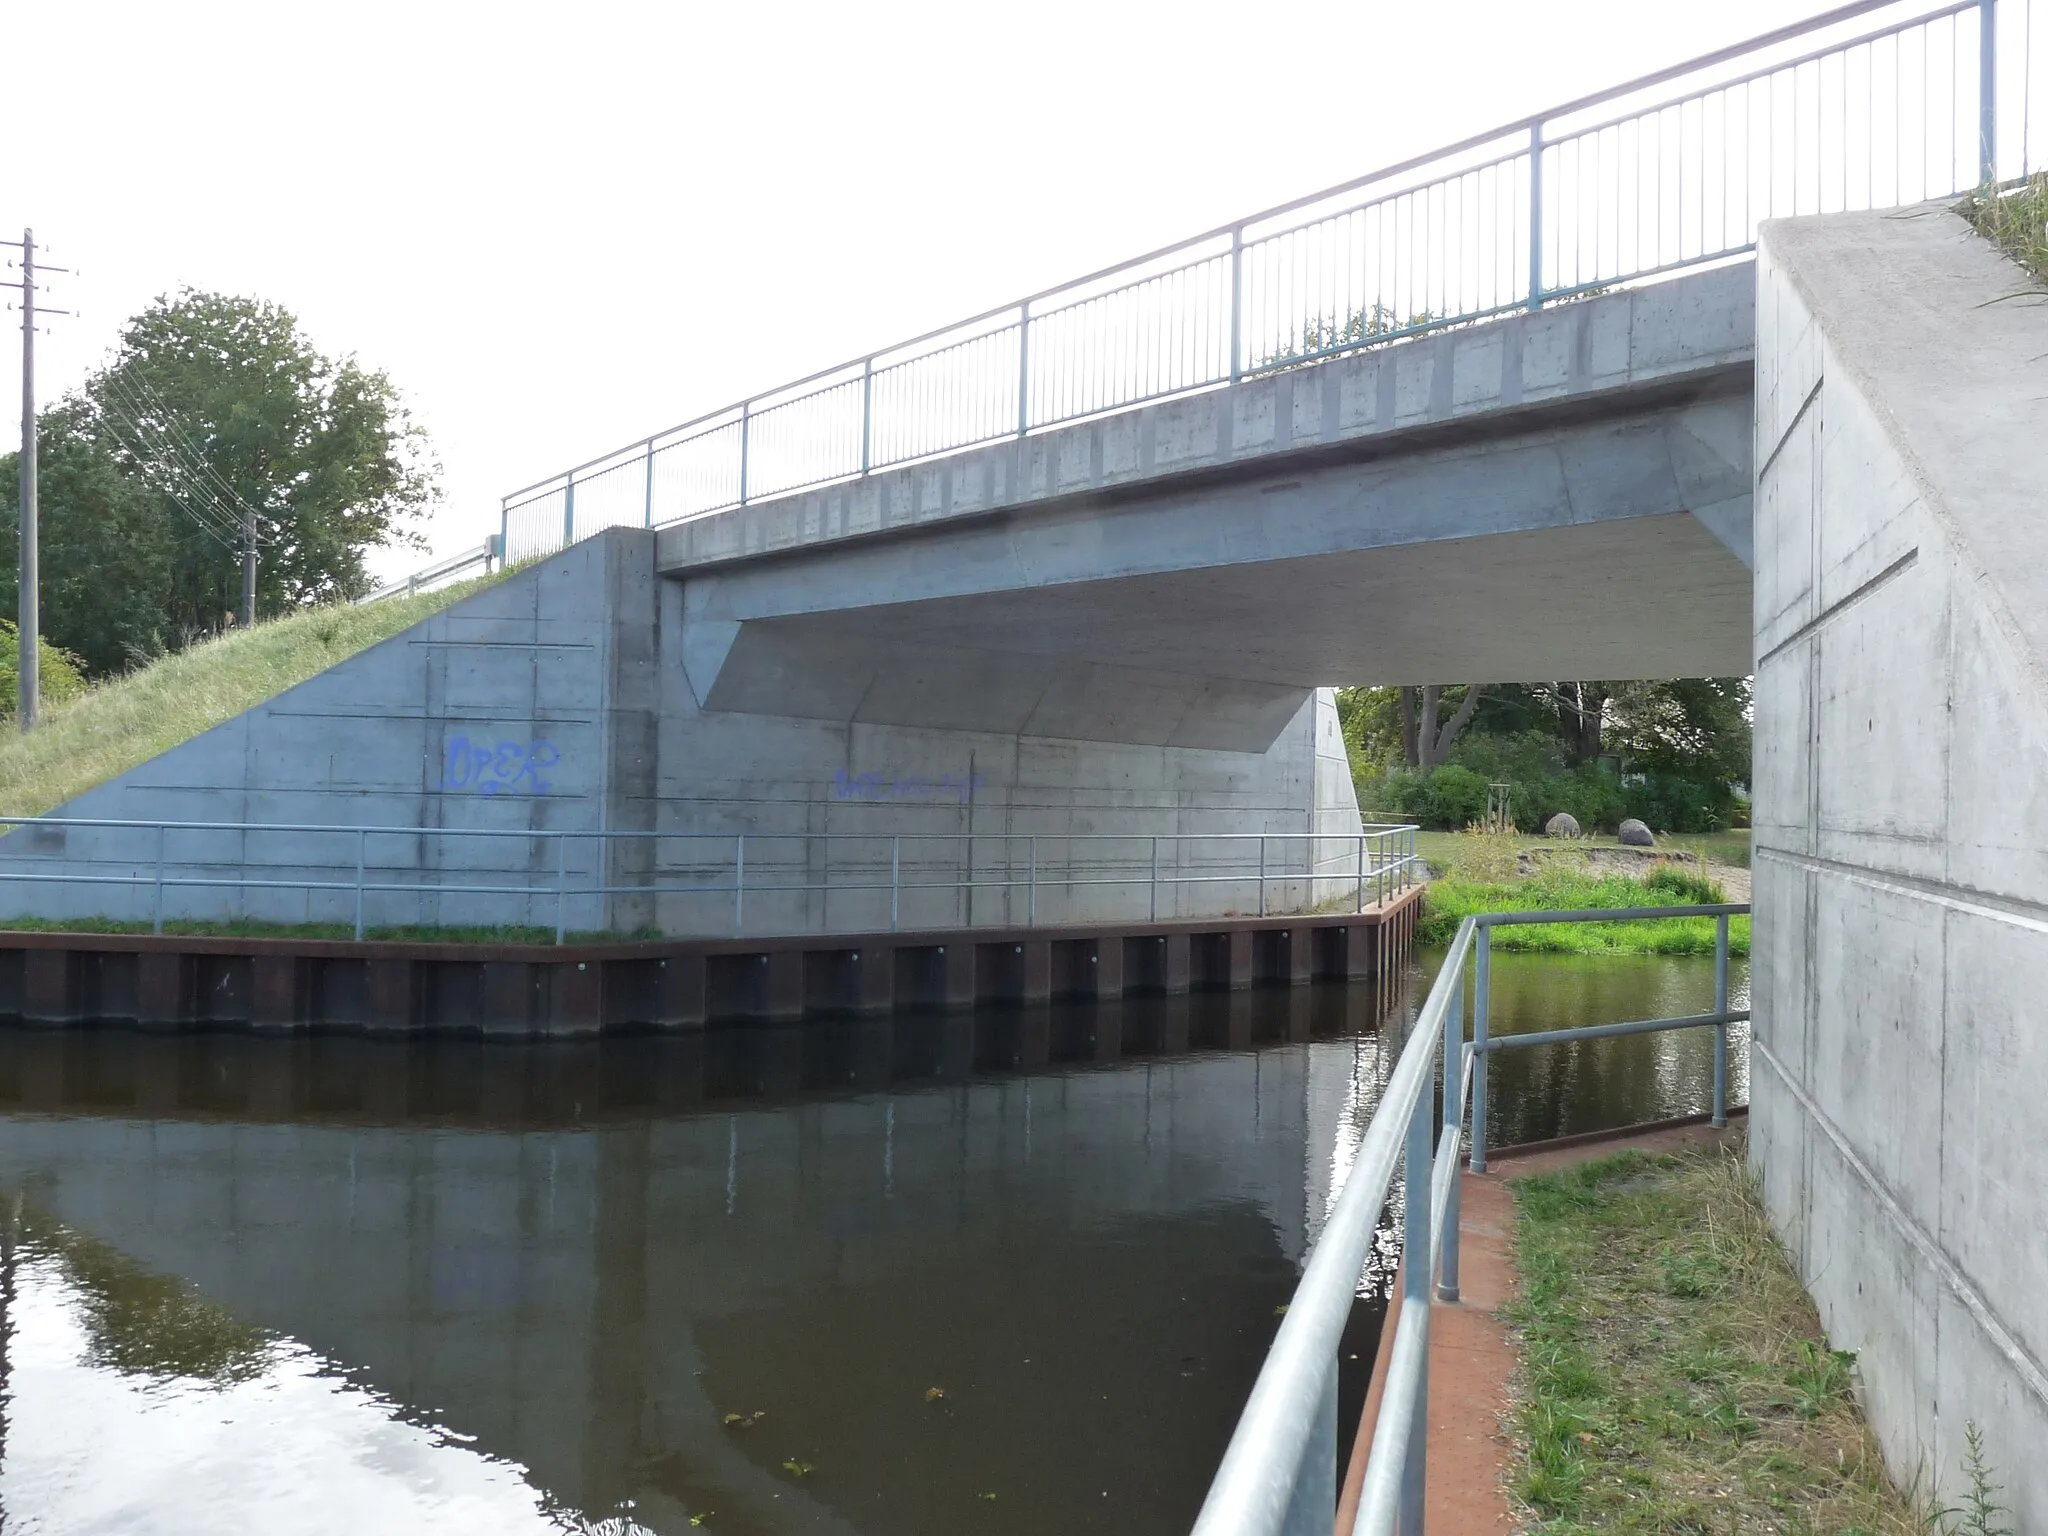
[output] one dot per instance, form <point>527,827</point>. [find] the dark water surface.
<point>1006,1273</point>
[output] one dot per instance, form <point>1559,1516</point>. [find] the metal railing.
<point>1871,104</point>
<point>442,572</point>
<point>1370,866</point>
<point>1280,1472</point>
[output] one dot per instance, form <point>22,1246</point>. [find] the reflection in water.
<point>1013,1272</point>
<point>1561,1090</point>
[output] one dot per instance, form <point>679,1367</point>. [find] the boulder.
<point>1634,834</point>
<point>1563,824</point>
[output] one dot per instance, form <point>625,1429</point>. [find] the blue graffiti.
<point>890,786</point>
<point>509,767</point>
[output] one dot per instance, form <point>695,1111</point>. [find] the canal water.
<point>1011,1272</point>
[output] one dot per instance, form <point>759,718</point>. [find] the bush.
<point>1457,796</point>
<point>1453,796</point>
<point>60,676</point>
<point>1671,804</point>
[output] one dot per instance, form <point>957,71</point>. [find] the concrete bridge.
<point>1100,628</point>
<point>1564,493</point>
<point>1049,652</point>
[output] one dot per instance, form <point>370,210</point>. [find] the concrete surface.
<point>994,679</point>
<point>1901,879</point>
<point>555,705</point>
<point>1560,494</point>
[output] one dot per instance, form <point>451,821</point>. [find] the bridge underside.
<point>1223,656</point>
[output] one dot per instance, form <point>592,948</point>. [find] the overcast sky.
<point>558,228</point>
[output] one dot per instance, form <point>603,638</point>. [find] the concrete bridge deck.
<point>1562,493</point>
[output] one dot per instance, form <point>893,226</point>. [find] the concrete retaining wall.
<point>1901,874</point>
<point>553,713</point>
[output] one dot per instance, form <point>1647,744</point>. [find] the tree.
<point>1435,736</point>
<point>214,411</point>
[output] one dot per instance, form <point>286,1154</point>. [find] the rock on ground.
<point>1634,834</point>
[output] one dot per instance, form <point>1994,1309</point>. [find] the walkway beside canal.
<point>1472,1360</point>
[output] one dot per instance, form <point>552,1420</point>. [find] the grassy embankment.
<point>1480,875</point>
<point>1674,1373</point>
<point>125,721</point>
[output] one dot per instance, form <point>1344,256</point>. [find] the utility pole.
<point>248,569</point>
<point>29,625</point>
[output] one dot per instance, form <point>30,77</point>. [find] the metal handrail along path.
<point>1280,1472</point>
<point>1374,864</point>
<point>1870,104</point>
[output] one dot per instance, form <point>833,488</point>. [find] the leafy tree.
<point>214,411</point>
<point>1669,752</point>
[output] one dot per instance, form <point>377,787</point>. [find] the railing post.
<point>895,881</point>
<point>1361,872</point>
<point>1987,93</point>
<point>1482,980</point>
<point>1024,368</point>
<point>504,532</point>
<point>746,432</point>
<point>867,414</point>
<point>739,883</point>
<point>1262,874</point>
<point>1536,214</point>
<point>647,517</point>
<point>569,511</point>
<point>157,925</point>
<point>561,884</point>
<point>1031,885</point>
<point>1237,304</point>
<point>1415,1286</point>
<point>1454,1045</point>
<point>1721,1029</point>
<point>361,838</point>
<point>1155,878</point>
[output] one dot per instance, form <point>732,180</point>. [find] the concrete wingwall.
<point>521,722</point>
<point>1901,864</point>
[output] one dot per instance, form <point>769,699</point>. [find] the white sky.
<point>562,227</point>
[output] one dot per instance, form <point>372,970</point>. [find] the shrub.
<point>60,676</point>
<point>1672,804</point>
<point>1457,796</point>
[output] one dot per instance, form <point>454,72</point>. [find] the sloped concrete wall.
<point>519,712</point>
<point>554,707</point>
<point>1901,874</point>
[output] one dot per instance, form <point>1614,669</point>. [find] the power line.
<point>188,459</point>
<point>220,528</point>
<point>199,472</point>
<point>172,426</point>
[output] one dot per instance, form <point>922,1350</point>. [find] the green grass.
<point>2016,222</point>
<point>1448,851</point>
<point>126,721</point>
<point>1449,901</point>
<point>1674,1374</point>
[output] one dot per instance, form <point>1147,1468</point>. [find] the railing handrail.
<point>1381,858</point>
<point>1515,126</point>
<point>1368,829</point>
<point>1278,1474</point>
